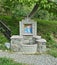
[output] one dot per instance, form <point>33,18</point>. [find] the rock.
<point>7,45</point>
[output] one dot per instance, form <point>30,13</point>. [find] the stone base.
<point>29,45</point>
<point>29,48</point>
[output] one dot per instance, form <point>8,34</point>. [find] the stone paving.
<point>42,59</point>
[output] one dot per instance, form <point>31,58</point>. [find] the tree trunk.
<point>34,9</point>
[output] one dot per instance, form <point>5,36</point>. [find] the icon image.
<point>28,28</point>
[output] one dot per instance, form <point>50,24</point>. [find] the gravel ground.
<point>42,59</point>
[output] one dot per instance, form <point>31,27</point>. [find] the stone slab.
<point>16,36</point>
<point>41,40</point>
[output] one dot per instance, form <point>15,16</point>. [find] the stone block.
<point>41,45</point>
<point>37,37</point>
<point>15,42</point>
<point>15,47</point>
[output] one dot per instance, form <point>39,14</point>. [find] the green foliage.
<point>42,14</point>
<point>6,61</point>
<point>24,7</point>
<point>12,23</point>
<point>46,27</point>
<point>51,44</point>
<point>45,15</point>
<point>16,7</point>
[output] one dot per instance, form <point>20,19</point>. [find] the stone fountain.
<point>28,41</point>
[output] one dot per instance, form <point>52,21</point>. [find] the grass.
<point>53,52</point>
<point>2,41</point>
<point>6,61</point>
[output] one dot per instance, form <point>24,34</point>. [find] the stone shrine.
<point>28,41</point>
